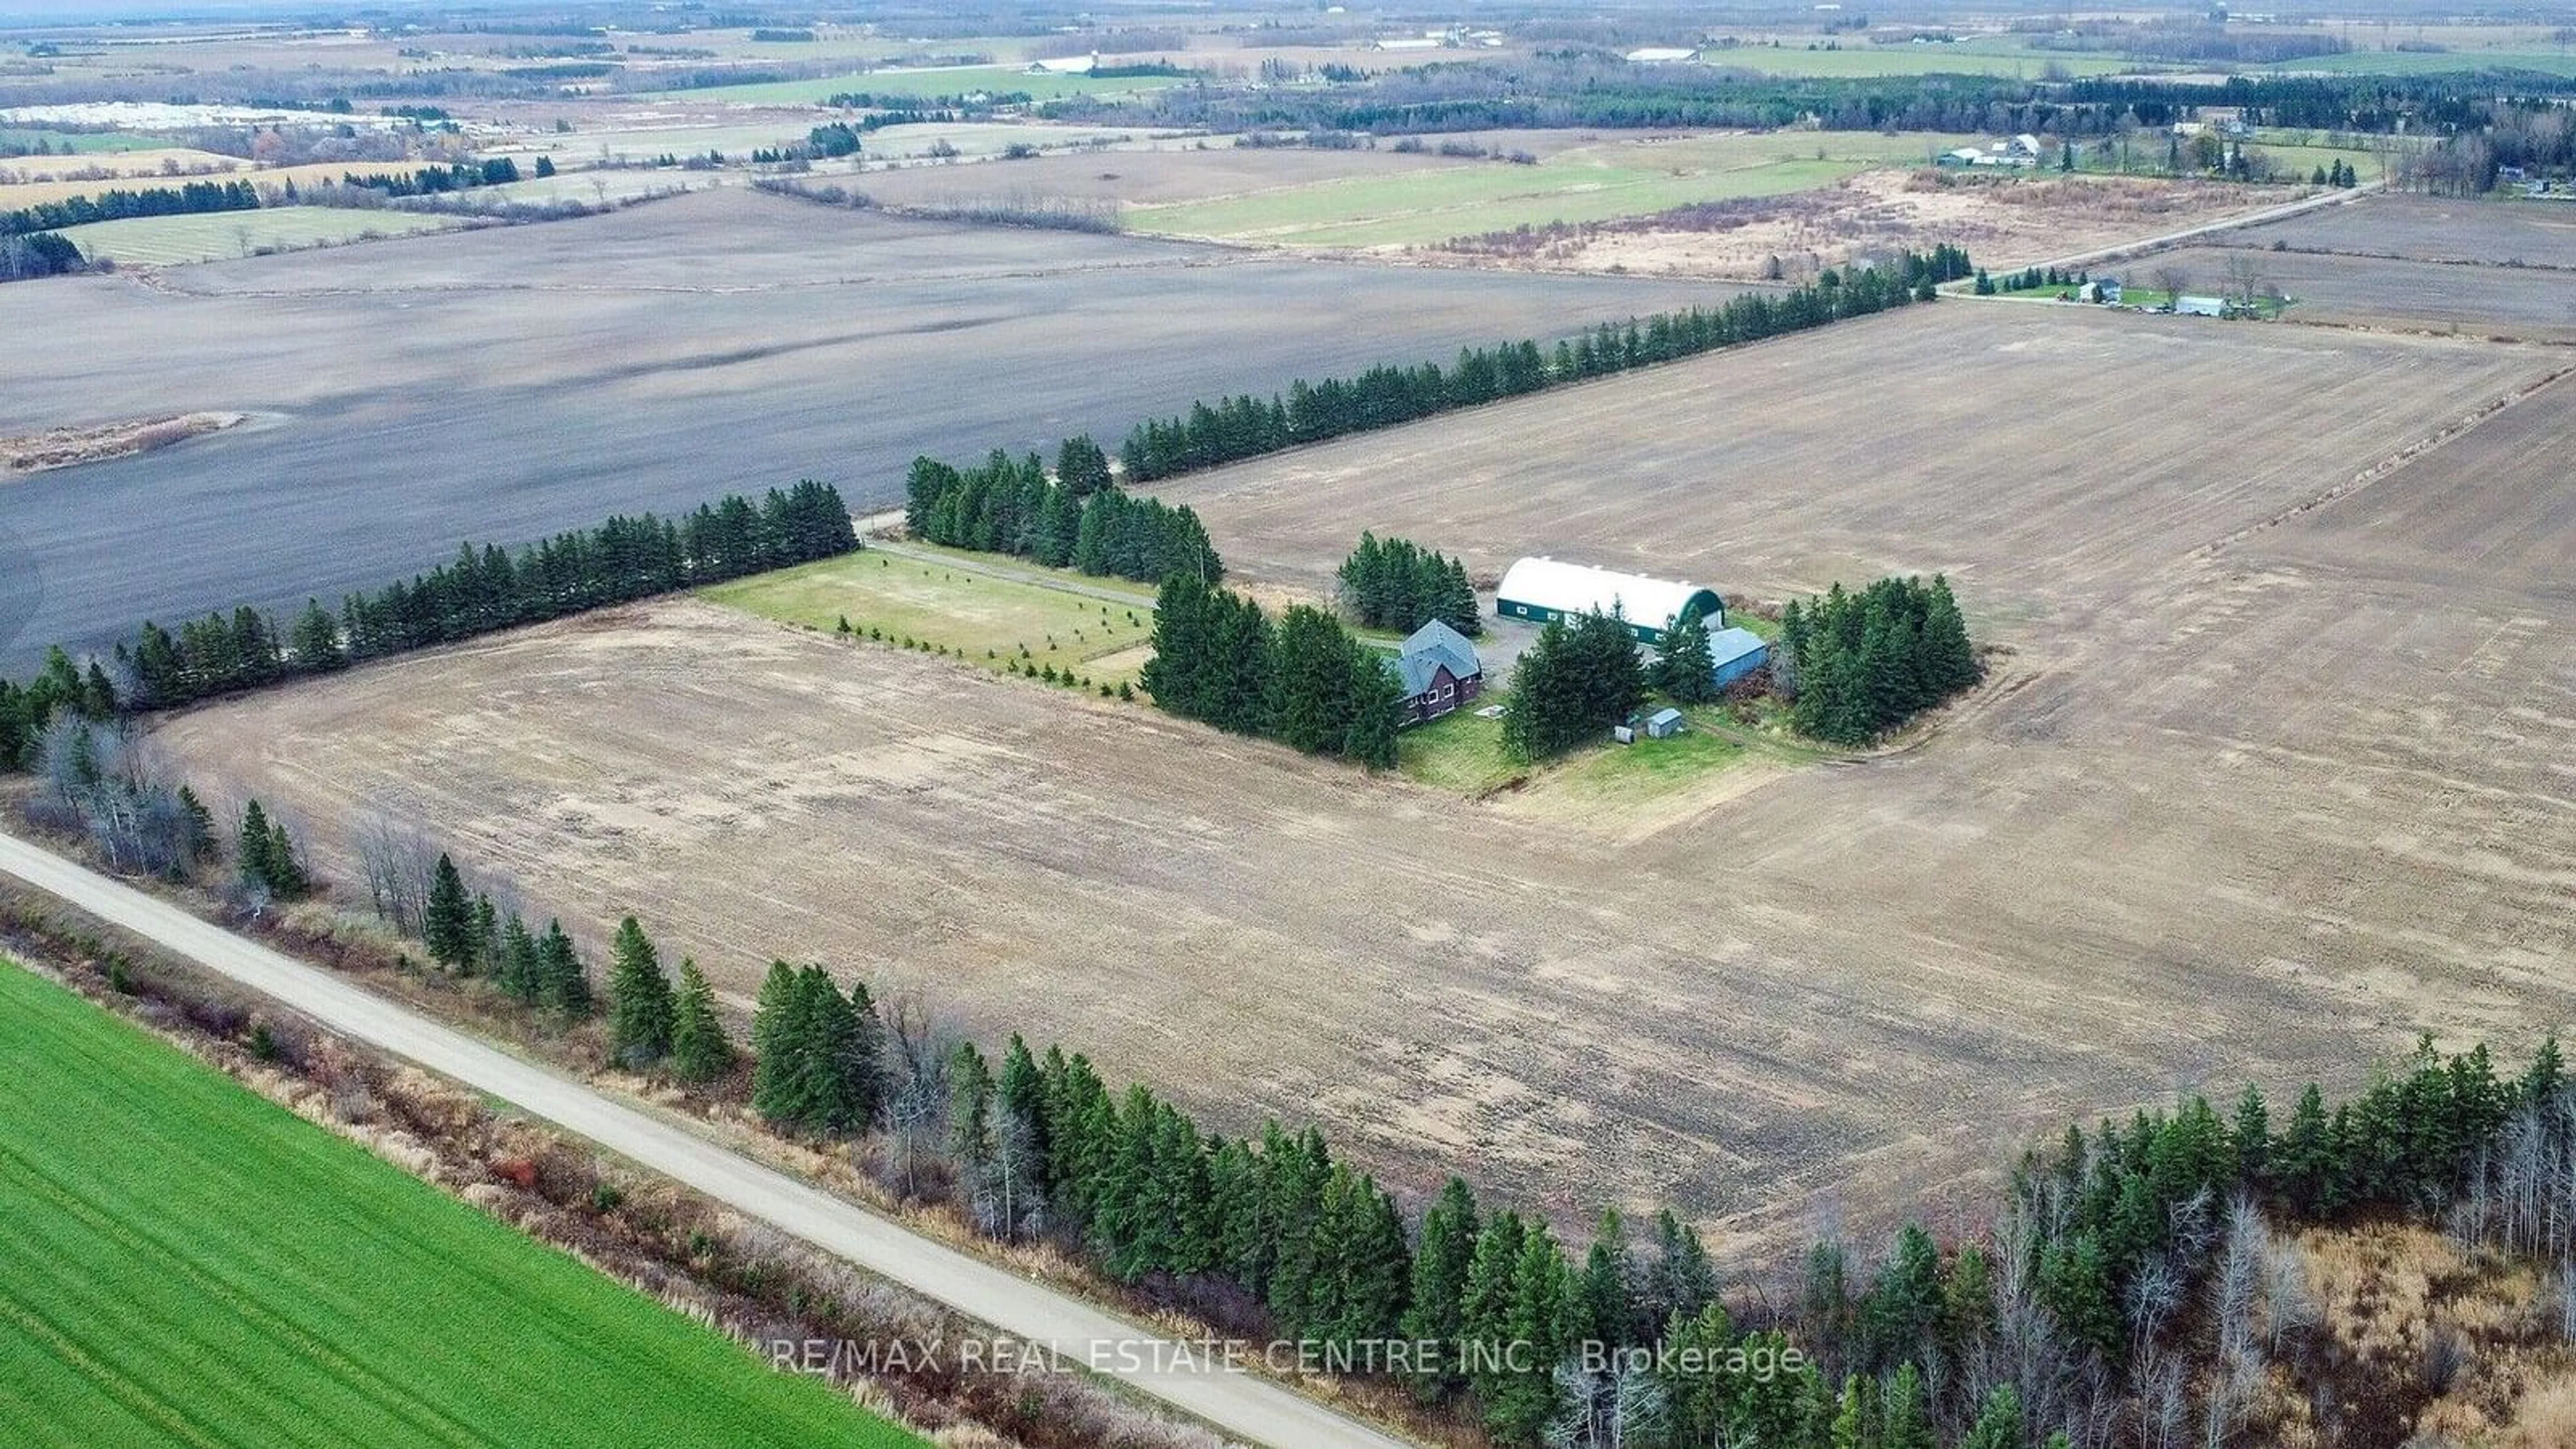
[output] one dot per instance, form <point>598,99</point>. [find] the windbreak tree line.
<point>1245,426</point>
<point>1077,519</point>
<point>1866,662</point>
<point>1307,682</point>
<point>1398,584</point>
<point>121,205</point>
<point>481,591</point>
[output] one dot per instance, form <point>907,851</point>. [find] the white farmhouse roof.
<point>1570,588</point>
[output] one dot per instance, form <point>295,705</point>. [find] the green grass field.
<point>81,142</point>
<point>186,1262</point>
<point>1586,183</point>
<point>2415,62</point>
<point>957,81</point>
<point>1464,752</point>
<point>213,236</point>
<point>984,619</point>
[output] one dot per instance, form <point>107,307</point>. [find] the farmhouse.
<point>1735,653</point>
<point>1541,589</point>
<point>1438,670</point>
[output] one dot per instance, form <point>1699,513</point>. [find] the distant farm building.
<point>1542,589</point>
<point>2201,306</point>
<point>1735,653</point>
<point>2107,290</point>
<point>1661,55</point>
<point>1066,65</point>
<point>1663,724</point>
<point>1438,670</point>
<point>2010,153</point>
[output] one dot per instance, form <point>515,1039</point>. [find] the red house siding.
<point>1446,693</point>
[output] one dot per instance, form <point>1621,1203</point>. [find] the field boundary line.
<point>2461,427</point>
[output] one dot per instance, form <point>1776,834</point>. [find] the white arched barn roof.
<point>1545,588</point>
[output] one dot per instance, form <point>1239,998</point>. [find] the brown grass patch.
<point>67,447</point>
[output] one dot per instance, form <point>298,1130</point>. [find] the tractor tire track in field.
<point>2390,464</point>
<point>1235,1402</point>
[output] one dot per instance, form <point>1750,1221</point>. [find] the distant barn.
<point>1541,589</point>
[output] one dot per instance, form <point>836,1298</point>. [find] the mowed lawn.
<point>1031,615</point>
<point>186,1262</point>
<point>1602,182</point>
<point>1464,752</point>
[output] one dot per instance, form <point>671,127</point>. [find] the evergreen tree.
<point>640,1019</point>
<point>201,824</point>
<point>970,1112</point>
<point>1909,1412</point>
<point>284,864</point>
<point>447,921</point>
<point>1527,1398</point>
<point>316,639</point>
<point>1685,672</point>
<point>1377,711</point>
<point>779,1031</point>
<point>1435,1312</point>
<point>487,937</point>
<point>1999,1422</point>
<point>562,981</point>
<point>251,854</point>
<point>1604,1298</point>
<point>520,972</point>
<point>700,1051</point>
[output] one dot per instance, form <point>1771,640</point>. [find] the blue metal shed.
<point>1736,653</point>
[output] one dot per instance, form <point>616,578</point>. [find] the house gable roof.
<point>1430,649</point>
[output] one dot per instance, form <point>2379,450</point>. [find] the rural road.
<point>1237,1403</point>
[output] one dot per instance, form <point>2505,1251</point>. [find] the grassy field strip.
<point>2414,63</point>
<point>1589,183</point>
<point>214,236</point>
<point>971,609</point>
<point>963,80</point>
<point>1858,59</point>
<point>187,1261</point>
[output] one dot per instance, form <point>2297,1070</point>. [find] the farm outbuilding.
<point>1735,653</point>
<point>1542,589</point>
<point>2200,306</point>
<point>1663,724</point>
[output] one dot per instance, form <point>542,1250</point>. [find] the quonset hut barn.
<point>1541,589</point>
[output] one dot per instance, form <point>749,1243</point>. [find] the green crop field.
<point>1586,183</point>
<point>81,142</point>
<point>186,1262</point>
<point>2435,62</point>
<point>986,618</point>
<point>956,81</point>
<point>215,235</point>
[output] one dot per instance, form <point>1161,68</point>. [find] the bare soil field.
<point>2474,300</point>
<point>2264,784</point>
<point>2434,229</point>
<point>508,382</point>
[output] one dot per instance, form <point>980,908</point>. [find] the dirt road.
<point>1235,1402</point>
<point>2143,245</point>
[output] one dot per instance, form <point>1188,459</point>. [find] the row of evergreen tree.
<point>1398,584</point>
<point>121,204</point>
<point>1076,519</point>
<point>2411,1141</point>
<point>1861,663</point>
<point>1307,681</point>
<point>481,591</point>
<point>438,180</point>
<point>1245,426</point>
<point>61,690</point>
